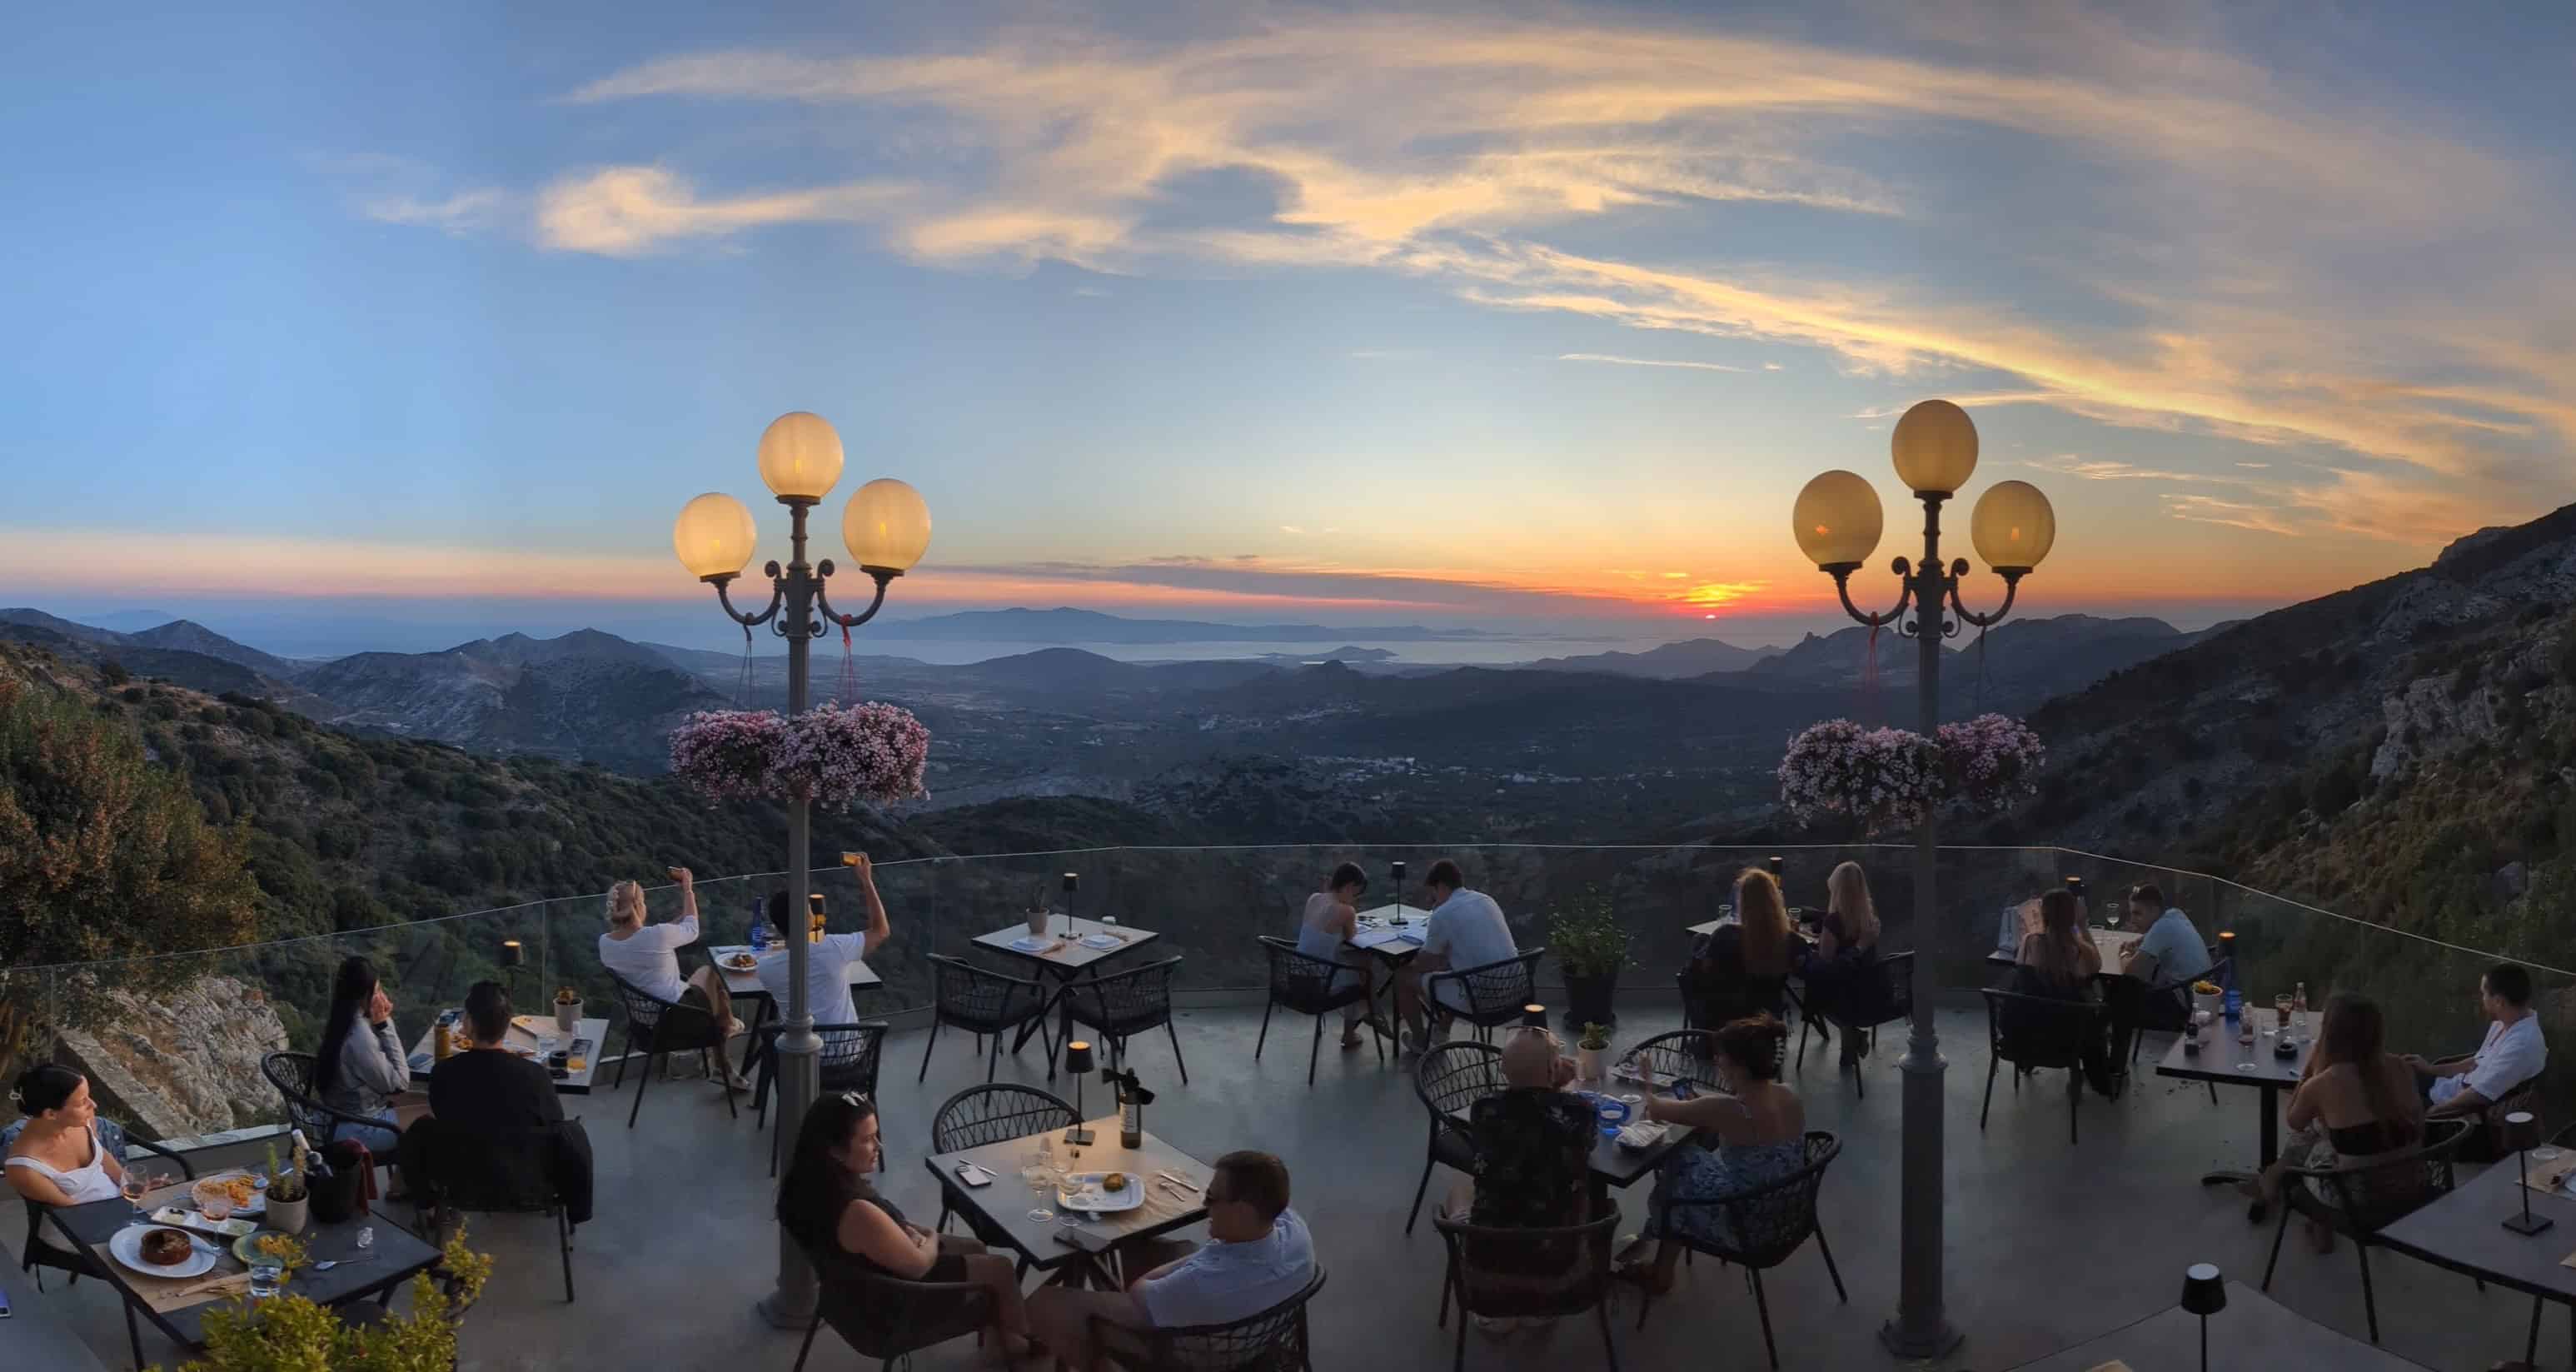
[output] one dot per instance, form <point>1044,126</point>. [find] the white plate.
<point>1030,943</point>
<point>258,1204</point>
<point>1081,1191</point>
<point>177,1218</point>
<point>1101,941</point>
<point>125,1245</point>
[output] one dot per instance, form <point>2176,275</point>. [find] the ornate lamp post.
<point>1838,521</point>
<point>887,529</point>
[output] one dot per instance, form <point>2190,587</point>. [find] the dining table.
<point>1073,1249</point>
<point>2219,1058</point>
<point>2114,945</point>
<point>1067,949</point>
<point>2254,1333</point>
<point>1392,934</point>
<point>371,1255</point>
<point>534,1037</point>
<point>2464,1231</point>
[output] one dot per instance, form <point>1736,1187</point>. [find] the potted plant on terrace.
<point>286,1196</point>
<point>1589,1049</point>
<point>1590,948</point>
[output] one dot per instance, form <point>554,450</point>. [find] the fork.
<point>328,1263</point>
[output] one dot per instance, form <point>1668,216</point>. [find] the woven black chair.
<point>851,1054</point>
<point>986,1114</point>
<point>2036,1034</point>
<point>472,1172</point>
<point>1271,1341</point>
<point>1120,1007</point>
<point>1449,1078</point>
<point>1489,1271</point>
<point>987,1004</point>
<point>1763,1227</point>
<point>887,1317</point>
<point>1885,998</point>
<point>663,1027</point>
<point>292,1075</point>
<point>1305,984</point>
<point>1494,994</point>
<point>2369,1195</point>
<point>1681,1053</point>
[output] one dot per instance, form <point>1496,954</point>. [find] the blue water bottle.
<point>2235,997</point>
<point>759,927</point>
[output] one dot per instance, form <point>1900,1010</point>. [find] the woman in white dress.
<point>646,956</point>
<point>58,1157</point>
<point>1325,931</point>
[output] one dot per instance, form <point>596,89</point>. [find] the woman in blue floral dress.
<point>1750,1132</point>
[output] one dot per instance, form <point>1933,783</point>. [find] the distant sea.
<point>1443,652</point>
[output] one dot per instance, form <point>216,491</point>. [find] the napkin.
<point>2545,1176</point>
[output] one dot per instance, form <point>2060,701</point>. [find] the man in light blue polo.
<point>1466,929</point>
<point>2170,951</point>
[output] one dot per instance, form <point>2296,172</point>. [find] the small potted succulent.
<point>1589,1049</point>
<point>567,1009</point>
<point>287,1196</point>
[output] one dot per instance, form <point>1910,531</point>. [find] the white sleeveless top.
<point>81,1184</point>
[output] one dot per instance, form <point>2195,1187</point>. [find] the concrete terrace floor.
<point>2049,1244</point>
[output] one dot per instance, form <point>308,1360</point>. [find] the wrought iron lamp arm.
<point>1904,596</point>
<point>777,598</point>
<point>2012,585</point>
<point>823,599</point>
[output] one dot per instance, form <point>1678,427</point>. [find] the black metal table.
<point>2464,1231</point>
<point>397,1255</point>
<point>1614,1166</point>
<point>1063,961</point>
<point>2223,1060</point>
<point>1078,1253</point>
<point>2253,1334</point>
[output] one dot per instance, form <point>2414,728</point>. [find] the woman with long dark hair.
<point>2355,1099</point>
<point>828,1203</point>
<point>2059,962</point>
<point>1324,931</point>
<point>360,1065</point>
<point>1742,966</point>
<point>62,1155</point>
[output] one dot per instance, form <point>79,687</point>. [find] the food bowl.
<point>165,1247</point>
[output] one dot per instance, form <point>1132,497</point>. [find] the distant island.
<point>1067,625</point>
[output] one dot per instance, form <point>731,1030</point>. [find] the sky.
<point>1502,315</point>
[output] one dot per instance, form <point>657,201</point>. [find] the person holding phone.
<point>1759,1126</point>
<point>647,957</point>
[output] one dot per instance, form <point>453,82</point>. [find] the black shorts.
<point>951,1267</point>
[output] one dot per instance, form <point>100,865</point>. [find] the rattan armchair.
<point>986,1114</point>
<point>1122,1006</point>
<point>850,1057</point>
<point>2039,1033</point>
<point>1273,1340</point>
<point>2369,1194</point>
<point>662,1027</point>
<point>1449,1078</point>
<point>985,1003</point>
<point>1489,996</point>
<point>292,1075</point>
<point>1489,1273</point>
<point>1312,986</point>
<point>890,1318</point>
<point>1763,1226</point>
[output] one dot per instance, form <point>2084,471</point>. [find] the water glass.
<point>265,1280</point>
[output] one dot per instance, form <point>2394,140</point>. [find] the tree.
<point>103,854</point>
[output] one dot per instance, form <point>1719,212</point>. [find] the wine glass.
<point>134,1186</point>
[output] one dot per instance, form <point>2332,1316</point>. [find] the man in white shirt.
<point>827,964</point>
<point>2512,1054</point>
<point>1466,929</point>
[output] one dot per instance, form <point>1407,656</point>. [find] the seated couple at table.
<point>1324,932</point>
<point>502,1111</point>
<point>1465,929</point>
<point>2355,1100</point>
<point>2058,960</point>
<point>646,957</point>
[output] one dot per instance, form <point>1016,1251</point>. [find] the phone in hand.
<point>1682,1088</point>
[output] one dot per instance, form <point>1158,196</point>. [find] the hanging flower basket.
<point>1993,761</point>
<point>833,755</point>
<point>839,754</point>
<point>1889,779</point>
<point>729,754</point>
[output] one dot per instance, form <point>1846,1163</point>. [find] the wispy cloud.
<point>2209,509</point>
<point>2106,469</point>
<point>625,211</point>
<point>462,213</point>
<point>1650,362</point>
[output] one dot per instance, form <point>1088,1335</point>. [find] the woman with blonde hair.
<point>1846,946</point>
<point>646,956</point>
<point>1742,966</point>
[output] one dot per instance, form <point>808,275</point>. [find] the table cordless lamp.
<point>1072,882</point>
<point>2203,1294</point>
<point>2521,1131</point>
<point>1077,1061</point>
<point>1535,1016</point>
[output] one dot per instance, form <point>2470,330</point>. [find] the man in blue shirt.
<point>1257,1254</point>
<point>1466,929</point>
<point>2171,950</point>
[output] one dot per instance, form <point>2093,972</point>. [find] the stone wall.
<point>180,1062</point>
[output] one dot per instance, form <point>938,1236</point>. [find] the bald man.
<point>1534,1142</point>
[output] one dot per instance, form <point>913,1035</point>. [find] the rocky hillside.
<point>2404,751</point>
<point>583,697</point>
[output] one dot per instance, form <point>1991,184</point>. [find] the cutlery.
<point>329,1263</point>
<point>1179,1182</point>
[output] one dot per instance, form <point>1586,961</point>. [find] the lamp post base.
<point>1903,1342</point>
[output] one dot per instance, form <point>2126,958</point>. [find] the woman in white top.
<point>58,1158</point>
<point>1331,921</point>
<point>646,956</point>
